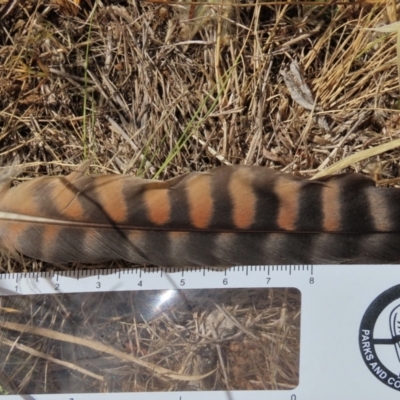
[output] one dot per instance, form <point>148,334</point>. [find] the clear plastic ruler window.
<point>292,332</point>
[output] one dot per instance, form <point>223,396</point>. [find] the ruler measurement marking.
<point>300,278</point>
<point>255,275</point>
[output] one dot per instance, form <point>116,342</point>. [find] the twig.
<point>98,346</point>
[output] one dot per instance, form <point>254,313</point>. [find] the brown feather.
<point>227,216</point>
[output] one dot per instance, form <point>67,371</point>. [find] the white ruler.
<point>350,323</point>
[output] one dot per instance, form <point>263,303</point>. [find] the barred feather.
<point>228,216</point>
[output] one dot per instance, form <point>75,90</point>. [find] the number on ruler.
<point>311,280</point>
<point>57,286</point>
<point>225,281</point>
<point>268,280</point>
<point>182,282</point>
<point>293,397</point>
<point>140,283</point>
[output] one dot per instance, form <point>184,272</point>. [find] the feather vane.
<point>228,216</point>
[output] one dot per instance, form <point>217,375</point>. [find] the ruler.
<point>279,332</point>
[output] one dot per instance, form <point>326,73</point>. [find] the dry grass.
<point>243,339</point>
<point>157,89</point>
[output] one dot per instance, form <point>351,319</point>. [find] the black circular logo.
<point>379,337</point>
